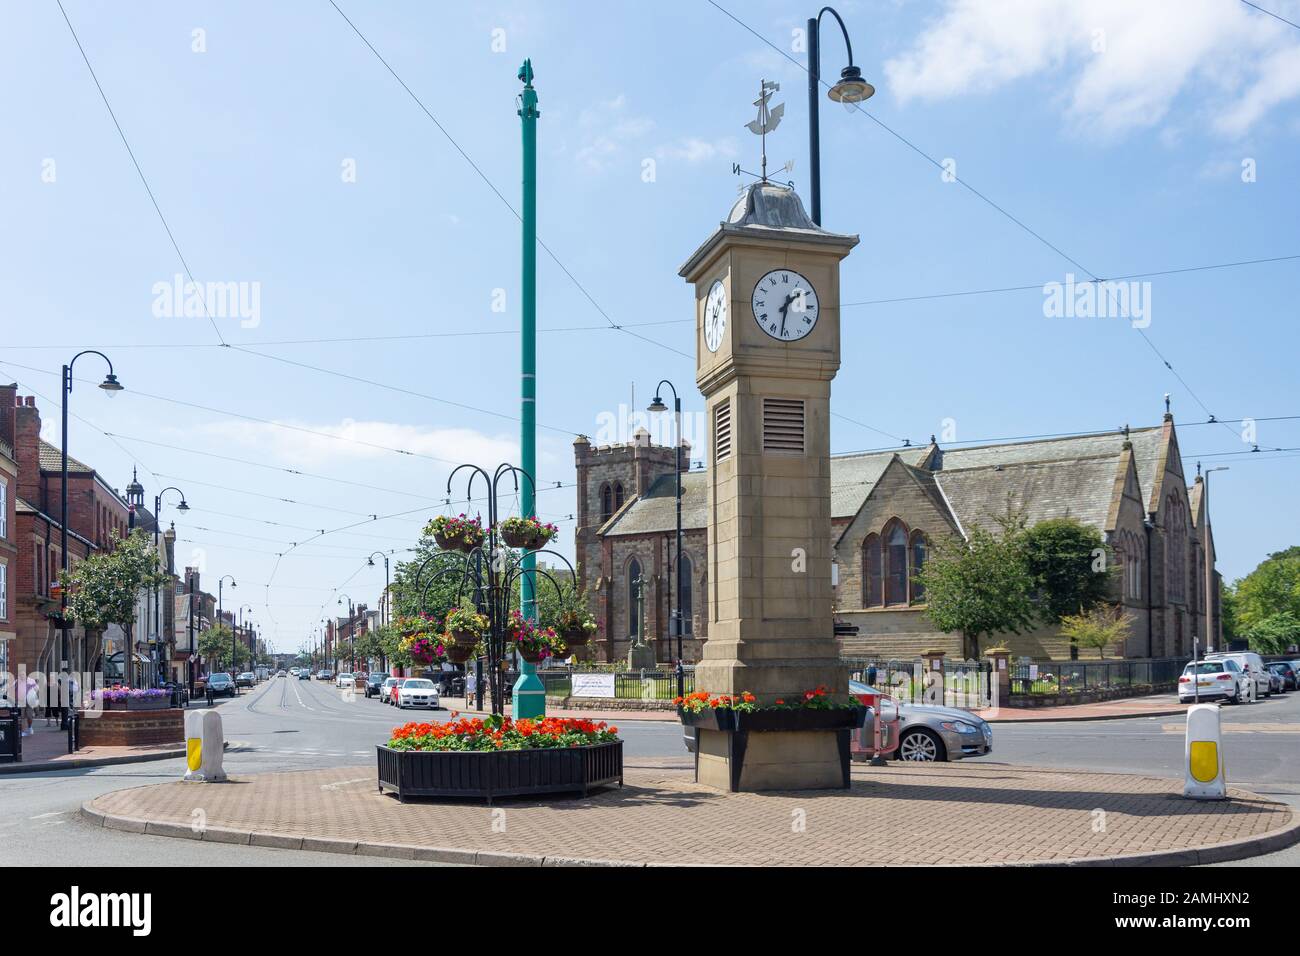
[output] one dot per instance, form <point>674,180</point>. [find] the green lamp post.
<point>529,692</point>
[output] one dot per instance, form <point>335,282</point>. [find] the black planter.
<point>708,719</point>
<point>841,718</point>
<point>501,773</point>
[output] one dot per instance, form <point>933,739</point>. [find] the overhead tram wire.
<point>857,107</point>
<point>497,192</point>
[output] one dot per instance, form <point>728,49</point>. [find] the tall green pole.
<point>529,692</point>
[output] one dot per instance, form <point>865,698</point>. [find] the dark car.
<point>246,679</point>
<point>1285,670</point>
<point>304,674</point>
<point>375,683</point>
<point>221,684</point>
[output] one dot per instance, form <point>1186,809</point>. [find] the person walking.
<point>31,699</point>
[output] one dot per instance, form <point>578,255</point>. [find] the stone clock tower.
<point>767,332</point>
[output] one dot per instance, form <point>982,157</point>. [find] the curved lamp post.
<point>675,614</point>
<point>111,386</point>
<point>371,561</point>
<point>220,585</point>
<point>352,630</point>
<point>851,88</point>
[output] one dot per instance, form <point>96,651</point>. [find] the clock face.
<point>715,316</point>
<point>785,305</point>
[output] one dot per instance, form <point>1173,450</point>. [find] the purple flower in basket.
<point>135,693</point>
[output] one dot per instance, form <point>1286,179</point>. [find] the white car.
<point>345,680</point>
<point>417,692</point>
<point>293,671</point>
<point>1213,680</point>
<point>1251,664</point>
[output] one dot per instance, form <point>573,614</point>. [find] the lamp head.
<point>851,88</point>
<point>657,405</point>
<point>183,506</point>
<point>110,384</point>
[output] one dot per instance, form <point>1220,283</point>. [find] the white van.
<point>1251,665</point>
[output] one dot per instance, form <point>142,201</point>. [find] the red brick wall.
<point>140,728</point>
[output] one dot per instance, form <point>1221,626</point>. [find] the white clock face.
<point>715,316</point>
<point>785,305</point>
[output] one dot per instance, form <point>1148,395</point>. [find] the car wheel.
<point>921,746</point>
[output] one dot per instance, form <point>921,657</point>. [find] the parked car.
<point>1250,663</point>
<point>345,680</point>
<point>1275,683</point>
<point>374,683</point>
<point>221,684</point>
<point>386,689</point>
<point>417,692</point>
<point>1213,680</point>
<point>246,679</point>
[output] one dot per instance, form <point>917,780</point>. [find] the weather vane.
<point>768,119</point>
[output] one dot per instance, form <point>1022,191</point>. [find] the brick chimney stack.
<point>27,450</point>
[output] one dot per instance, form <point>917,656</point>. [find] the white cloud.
<point>1121,64</point>
<point>608,129</point>
<point>311,444</point>
<point>695,150</point>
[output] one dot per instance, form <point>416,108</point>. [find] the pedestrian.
<point>31,698</point>
<point>871,676</point>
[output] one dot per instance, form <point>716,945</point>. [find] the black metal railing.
<point>628,685</point>
<point>1069,678</point>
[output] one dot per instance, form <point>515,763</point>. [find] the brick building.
<point>885,509</point>
<point>97,516</point>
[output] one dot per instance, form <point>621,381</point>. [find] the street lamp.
<point>352,635</point>
<point>371,561</point>
<point>157,523</point>
<point>242,627</point>
<point>850,89</point>
<point>675,614</point>
<point>220,617</point>
<point>111,386</point>
<point>1209,567</point>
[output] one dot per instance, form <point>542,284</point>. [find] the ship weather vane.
<point>768,117</point>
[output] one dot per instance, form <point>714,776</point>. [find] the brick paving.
<point>897,815</point>
<point>47,749</point>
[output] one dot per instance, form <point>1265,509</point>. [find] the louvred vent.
<point>783,426</point>
<point>722,430</point>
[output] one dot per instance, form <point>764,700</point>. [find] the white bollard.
<point>1205,773</point>
<point>204,746</point>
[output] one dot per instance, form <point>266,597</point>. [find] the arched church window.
<point>919,553</point>
<point>685,582</point>
<point>633,599</point>
<point>871,572</point>
<point>895,541</point>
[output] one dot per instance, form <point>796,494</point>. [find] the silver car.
<point>929,733</point>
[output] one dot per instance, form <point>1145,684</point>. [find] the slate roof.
<point>1048,478</point>
<point>52,460</point>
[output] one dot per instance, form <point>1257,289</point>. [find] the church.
<point>886,507</point>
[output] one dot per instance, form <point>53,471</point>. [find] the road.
<point>286,724</point>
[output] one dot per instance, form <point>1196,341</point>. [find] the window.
<point>4,509</point>
<point>1176,549</point>
<point>918,561</point>
<point>633,599</point>
<point>871,595</point>
<point>618,495</point>
<point>606,503</point>
<point>895,545</point>
<point>4,591</point>
<point>684,584</point>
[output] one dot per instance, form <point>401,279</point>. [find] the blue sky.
<point>1116,132</point>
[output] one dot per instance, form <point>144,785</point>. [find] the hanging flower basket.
<point>456,534</point>
<point>466,627</point>
<point>459,653</point>
<point>527,533</point>
<point>423,649</point>
<point>576,637</point>
<point>534,644</point>
<point>575,623</point>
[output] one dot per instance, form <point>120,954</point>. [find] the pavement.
<point>47,749</point>
<point>959,814</point>
<point>1129,707</point>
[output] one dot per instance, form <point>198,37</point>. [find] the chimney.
<point>27,450</point>
<point>169,541</point>
<point>8,396</point>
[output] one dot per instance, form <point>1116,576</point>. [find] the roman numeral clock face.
<point>785,305</point>
<point>715,316</point>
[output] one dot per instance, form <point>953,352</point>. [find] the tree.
<point>1274,634</point>
<point>1099,627</point>
<point>214,646</point>
<point>104,588</point>
<point>368,646</point>
<point>1272,588</point>
<point>981,585</point>
<point>1068,563</point>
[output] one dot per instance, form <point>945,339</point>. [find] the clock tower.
<point>767,332</point>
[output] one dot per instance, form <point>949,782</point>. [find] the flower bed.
<point>120,698</point>
<point>498,757</point>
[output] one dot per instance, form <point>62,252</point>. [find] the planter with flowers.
<point>534,644</point>
<point>456,534</point>
<point>499,757</point>
<point>811,714</point>
<point>460,653</point>
<point>422,649</point>
<point>574,623</point>
<point>466,626</point>
<point>122,698</point>
<point>527,533</point>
